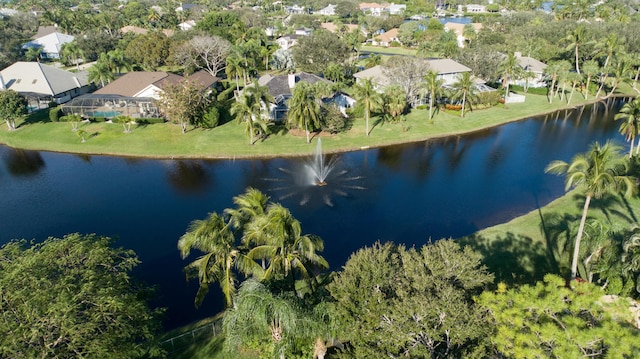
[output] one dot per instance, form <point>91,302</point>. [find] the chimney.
<point>2,86</point>
<point>292,80</point>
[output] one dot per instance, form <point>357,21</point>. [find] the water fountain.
<point>318,176</point>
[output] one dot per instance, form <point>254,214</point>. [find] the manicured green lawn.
<point>229,141</point>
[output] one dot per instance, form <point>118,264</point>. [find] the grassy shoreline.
<point>165,141</point>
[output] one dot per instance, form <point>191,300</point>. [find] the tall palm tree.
<point>214,238</point>
<point>600,171</point>
<point>552,72</point>
<point>244,113</point>
<point>278,239</point>
<point>510,69</point>
<point>434,89</point>
<point>234,68</point>
<point>464,90</point>
<point>365,92</point>
<point>608,46</point>
<point>576,38</point>
<point>631,256</point>
<point>621,72</point>
<point>630,126</point>
<point>250,205</point>
<point>590,69</point>
<point>574,78</point>
<point>304,110</point>
<point>118,61</point>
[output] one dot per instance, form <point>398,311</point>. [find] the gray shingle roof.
<point>279,85</point>
<point>37,78</point>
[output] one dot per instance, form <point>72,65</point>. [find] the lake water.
<point>408,193</point>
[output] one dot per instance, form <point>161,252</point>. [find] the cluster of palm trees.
<point>257,239</point>
<point>617,67</point>
<point>107,66</point>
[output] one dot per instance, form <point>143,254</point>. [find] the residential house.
<point>535,68</point>
<point>397,9</point>
<point>288,41</point>
<point>373,9</point>
<point>41,84</point>
<point>133,94</point>
<point>271,31</point>
<point>386,39</point>
<point>281,89</point>
<point>448,71</point>
<point>296,10</point>
<point>330,10</point>
<point>333,28</point>
<point>472,8</point>
<point>303,31</point>
<point>458,30</point>
<point>187,25</point>
<point>50,44</point>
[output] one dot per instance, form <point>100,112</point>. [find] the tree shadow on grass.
<point>513,258</point>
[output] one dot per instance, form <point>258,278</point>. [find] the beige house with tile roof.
<point>458,30</point>
<point>386,39</point>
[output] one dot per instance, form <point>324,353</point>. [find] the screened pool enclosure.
<point>110,106</point>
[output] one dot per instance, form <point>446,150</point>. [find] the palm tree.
<point>574,79</point>
<point>118,61</point>
<point>250,205</point>
<point>590,69</point>
<point>621,72</point>
<point>630,126</point>
<point>304,110</point>
<point>243,113</point>
<point>395,101</point>
<point>278,239</point>
<point>600,171</point>
<point>100,72</point>
<point>234,68</point>
<point>510,70</point>
<point>631,256</point>
<point>564,68</point>
<point>214,238</point>
<point>372,61</point>
<point>72,53</point>
<point>365,92</point>
<point>433,87</point>
<point>464,90</point>
<point>608,46</point>
<point>576,38</point>
<point>552,71</point>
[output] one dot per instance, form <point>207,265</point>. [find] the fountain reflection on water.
<point>320,176</point>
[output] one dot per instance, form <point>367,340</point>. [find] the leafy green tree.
<point>630,126</point>
<point>184,103</point>
<point>365,93</point>
<point>33,53</point>
<point>13,106</point>
<point>149,51</point>
<point>433,88</point>
<point>315,52</point>
<point>600,171</point>
<point>373,60</point>
<point>125,121</point>
<point>304,110</point>
<point>74,297</point>
<point>464,90</point>
<point>391,302</point>
<point>95,42</point>
<point>549,320</point>
<point>220,23</point>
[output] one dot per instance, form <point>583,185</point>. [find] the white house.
<point>42,83</point>
<point>373,9</point>
<point>287,41</point>
<point>397,9</point>
<point>458,30</point>
<point>330,10</point>
<point>535,68</point>
<point>187,25</point>
<point>473,8</point>
<point>50,44</point>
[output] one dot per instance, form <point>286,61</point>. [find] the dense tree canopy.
<point>13,106</point>
<point>392,301</point>
<point>315,52</point>
<point>73,297</point>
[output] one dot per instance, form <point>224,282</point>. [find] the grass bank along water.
<point>229,141</point>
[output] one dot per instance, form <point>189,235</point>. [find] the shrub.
<point>149,121</point>
<point>211,119</point>
<point>54,114</point>
<point>98,119</point>
<point>332,120</point>
<point>489,98</point>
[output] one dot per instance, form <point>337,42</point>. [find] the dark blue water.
<point>409,193</point>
